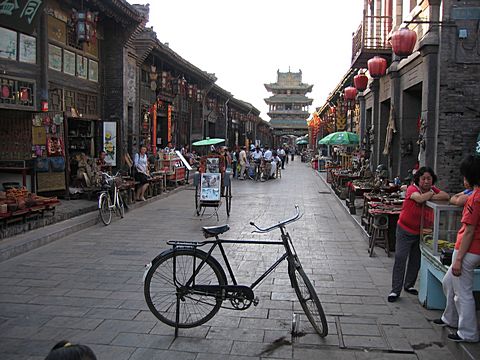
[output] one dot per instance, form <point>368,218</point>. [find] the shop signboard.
<point>110,142</point>
<point>21,15</point>
<point>210,187</point>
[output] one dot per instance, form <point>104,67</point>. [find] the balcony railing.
<point>372,34</point>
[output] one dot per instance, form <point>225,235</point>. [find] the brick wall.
<point>459,96</point>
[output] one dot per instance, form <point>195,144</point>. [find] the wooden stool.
<point>379,234</point>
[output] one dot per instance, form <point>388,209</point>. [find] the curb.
<point>345,208</point>
<point>22,243</point>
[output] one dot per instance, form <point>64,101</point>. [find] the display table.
<point>432,271</point>
<point>354,191</point>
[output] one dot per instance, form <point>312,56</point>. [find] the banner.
<point>169,124</point>
<point>110,142</point>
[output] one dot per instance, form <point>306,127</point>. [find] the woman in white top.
<point>142,173</point>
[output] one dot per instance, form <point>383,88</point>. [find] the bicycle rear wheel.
<point>309,299</point>
<point>165,283</point>
<point>104,208</point>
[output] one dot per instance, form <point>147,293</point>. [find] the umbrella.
<point>340,138</point>
<point>301,142</point>
<point>208,141</point>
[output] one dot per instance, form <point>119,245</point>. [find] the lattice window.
<point>81,103</point>
<point>55,99</point>
<point>69,99</point>
<point>92,101</point>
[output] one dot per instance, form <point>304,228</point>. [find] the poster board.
<point>210,187</point>
<point>213,165</point>
<point>110,142</point>
<point>184,161</point>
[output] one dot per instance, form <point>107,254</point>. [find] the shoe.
<point>392,297</point>
<point>455,337</point>
<point>411,290</point>
<point>143,199</point>
<point>439,322</point>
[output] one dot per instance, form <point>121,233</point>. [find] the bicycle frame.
<point>286,241</point>
<point>113,190</point>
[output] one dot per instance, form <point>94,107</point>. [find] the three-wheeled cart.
<point>212,182</point>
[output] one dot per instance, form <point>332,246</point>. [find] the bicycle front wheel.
<point>309,300</point>
<point>104,208</point>
<point>120,205</point>
<point>165,283</point>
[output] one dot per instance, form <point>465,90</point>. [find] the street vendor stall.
<point>18,205</point>
<point>438,235</point>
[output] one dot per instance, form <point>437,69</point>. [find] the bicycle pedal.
<point>256,300</point>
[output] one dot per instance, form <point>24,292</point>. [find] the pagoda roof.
<point>290,123</point>
<point>292,98</point>
<point>276,86</point>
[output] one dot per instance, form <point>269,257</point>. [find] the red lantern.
<point>350,93</point>
<point>44,106</point>
<point>24,94</point>
<point>360,81</point>
<point>377,66</point>
<point>403,41</point>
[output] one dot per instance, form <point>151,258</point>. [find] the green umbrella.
<point>301,142</point>
<point>340,138</point>
<point>208,141</point>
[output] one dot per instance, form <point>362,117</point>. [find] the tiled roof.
<point>293,98</point>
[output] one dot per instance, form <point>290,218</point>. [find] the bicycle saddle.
<point>209,231</point>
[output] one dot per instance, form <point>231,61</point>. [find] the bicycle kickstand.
<point>177,317</point>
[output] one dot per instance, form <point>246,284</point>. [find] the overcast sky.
<point>245,42</point>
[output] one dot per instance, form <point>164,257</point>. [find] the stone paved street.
<point>87,287</point>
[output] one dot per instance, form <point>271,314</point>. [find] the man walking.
<point>243,163</point>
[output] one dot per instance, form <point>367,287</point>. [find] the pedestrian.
<point>461,198</point>
<point>64,350</point>
<point>458,281</point>
<point>235,161</point>
<point>281,154</point>
<point>408,230</point>
<point>243,163</point>
<point>142,173</point>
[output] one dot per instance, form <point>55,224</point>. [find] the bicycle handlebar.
<point>280,224</point>
<point>108,176</point>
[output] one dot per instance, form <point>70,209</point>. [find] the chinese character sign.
<point>21,15</point>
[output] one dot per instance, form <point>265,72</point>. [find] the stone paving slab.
<point>87,287</point>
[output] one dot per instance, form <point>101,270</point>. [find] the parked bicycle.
<point>110,200</point>
<point>185,287</point>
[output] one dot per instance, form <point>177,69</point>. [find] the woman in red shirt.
<point>458,281</point>
<point>408,231</point>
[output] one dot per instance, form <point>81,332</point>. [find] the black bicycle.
<point>185,287</point>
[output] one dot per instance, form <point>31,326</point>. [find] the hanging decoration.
<point>350,93</point>
<point>85,24</point>
<point>403,41</point>
<point>361,80</point>
<point>377,67</point>
<point>153,77</point>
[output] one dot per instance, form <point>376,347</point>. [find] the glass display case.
<point>440,226</point>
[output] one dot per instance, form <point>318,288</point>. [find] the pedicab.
<point>212,181</point>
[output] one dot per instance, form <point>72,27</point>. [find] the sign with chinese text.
<point>169,123</point>
<point>21,15</point>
